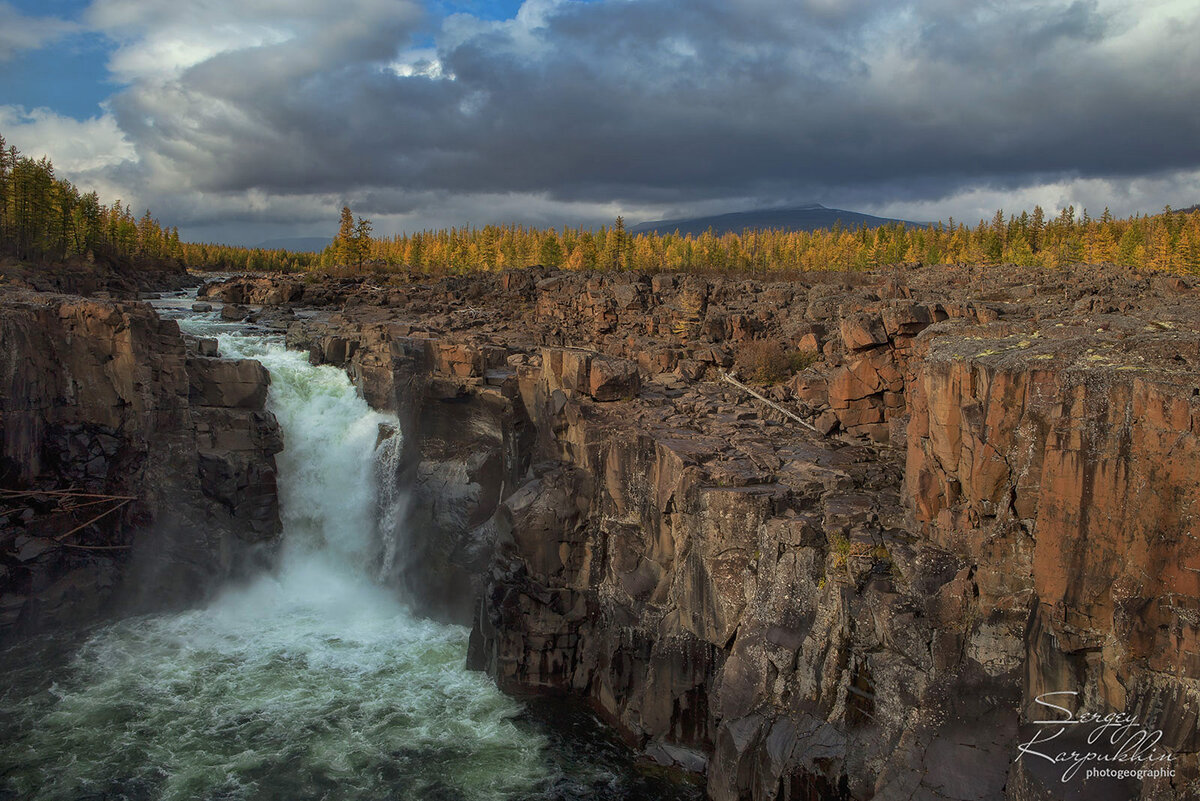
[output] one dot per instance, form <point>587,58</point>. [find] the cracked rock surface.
<point>999,500</point>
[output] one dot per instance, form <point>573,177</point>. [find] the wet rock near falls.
<point>999,501</point>
<point>133,473</point>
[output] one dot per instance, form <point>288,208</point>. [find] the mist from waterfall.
<point>311,681</point>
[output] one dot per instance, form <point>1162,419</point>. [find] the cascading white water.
<point>330,467</point>
<point>392,503</point>
<point>311,682</point>
<point>341,451</point>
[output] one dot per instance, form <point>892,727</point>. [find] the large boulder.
<point>232,383</point>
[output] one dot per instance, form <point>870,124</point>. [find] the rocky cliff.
<point>133,469</point>
<point>1063,462</point>
<point>101,278</point>
<point>995,500</point>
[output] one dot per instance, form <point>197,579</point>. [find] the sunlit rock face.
<point>999,504</point>
<point>1067,467</point>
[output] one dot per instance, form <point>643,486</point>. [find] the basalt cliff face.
<point>997,499</point>
<point>980,488</point>
<point>134,469</point>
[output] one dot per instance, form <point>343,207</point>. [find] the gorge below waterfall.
<point>523,536</point>
<point>308,680</point>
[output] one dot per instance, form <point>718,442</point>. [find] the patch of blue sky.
<point>69,76</point>
<point>483,9</point>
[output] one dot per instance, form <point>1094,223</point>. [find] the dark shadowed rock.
<point>232,383</point>
<point>103,398</point>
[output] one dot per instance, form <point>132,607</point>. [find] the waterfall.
<point>392,504</point>
<point>312,681</point>
<point>337,468</point>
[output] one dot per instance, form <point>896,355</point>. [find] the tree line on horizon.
<point>46,218</point>
<point>1169,241</point>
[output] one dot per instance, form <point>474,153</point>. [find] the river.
<point>311,681</point>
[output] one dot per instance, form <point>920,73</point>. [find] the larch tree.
<point>343,243</point>
<point>616,244</point>
<point>362,241</point>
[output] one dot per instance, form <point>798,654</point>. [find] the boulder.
<point>231,312</point>
<point>613,379</point>
<point>863,331</point>
<point>230,383</point>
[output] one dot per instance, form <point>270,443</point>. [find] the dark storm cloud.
<point>657,104</point>
<point>797,102</point>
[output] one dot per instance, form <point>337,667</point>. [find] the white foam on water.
<point>312,681</point>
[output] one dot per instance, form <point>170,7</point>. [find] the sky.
<point>247,120</point>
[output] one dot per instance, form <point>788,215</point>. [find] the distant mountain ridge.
<point>809,217</point>
<point>297,244</point>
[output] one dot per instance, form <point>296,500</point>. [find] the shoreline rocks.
<point>1001,504</point>
<point>102,398</point>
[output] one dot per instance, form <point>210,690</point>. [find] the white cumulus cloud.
<point>20,32</point>
<point>77,146</point>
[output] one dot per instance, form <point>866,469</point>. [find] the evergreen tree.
<point>343,243</point>
<point>5,174</point>
<point>362,241</point>
<point>616,244</point>
<point>550,252</point>
<point>1037,226</point>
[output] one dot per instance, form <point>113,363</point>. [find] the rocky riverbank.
<point>103,278</point>
<point>135,470</point>
<point>997,499</point>
<point>974,487</point>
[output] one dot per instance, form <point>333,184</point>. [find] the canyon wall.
<point>995,500</point>
<point>1065,463</point>
<point>134,470</point>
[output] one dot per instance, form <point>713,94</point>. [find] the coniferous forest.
<point>44,218</point>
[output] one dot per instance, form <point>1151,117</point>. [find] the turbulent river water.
<point>311,681</point>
